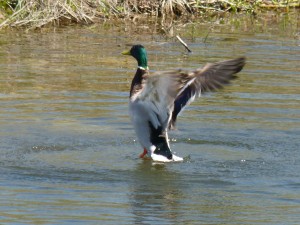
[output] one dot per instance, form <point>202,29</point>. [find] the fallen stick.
<point>183,43</point>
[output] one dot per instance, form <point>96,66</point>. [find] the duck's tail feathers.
<point>159,139</point>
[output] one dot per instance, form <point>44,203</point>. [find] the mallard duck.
<point>156,99</point>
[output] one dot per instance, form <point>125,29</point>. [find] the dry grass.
<point>38,13</point>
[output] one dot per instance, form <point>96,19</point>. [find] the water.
<point>68,151</point>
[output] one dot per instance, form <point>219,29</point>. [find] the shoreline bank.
<point>37,14</point>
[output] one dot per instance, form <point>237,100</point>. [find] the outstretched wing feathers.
<point>211,77</point>
<point>169,92</point>
<point>215,75</point>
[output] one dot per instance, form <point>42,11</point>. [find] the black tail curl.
<point>159,140</point>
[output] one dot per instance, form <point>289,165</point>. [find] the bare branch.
<point>183,43</point>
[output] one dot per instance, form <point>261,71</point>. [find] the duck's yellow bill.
<point>127,52</point>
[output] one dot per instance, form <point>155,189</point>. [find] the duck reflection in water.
<point>156,194</point>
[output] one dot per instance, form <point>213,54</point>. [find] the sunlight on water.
<point>69,154</point>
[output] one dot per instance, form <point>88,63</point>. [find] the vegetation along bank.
<point>39,13</point>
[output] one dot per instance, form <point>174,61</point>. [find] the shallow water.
<point>68,153</point>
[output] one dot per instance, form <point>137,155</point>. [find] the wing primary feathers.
<point>215,75</point>
<point>211,78</point>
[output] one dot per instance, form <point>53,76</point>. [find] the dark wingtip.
<point>240,62</point>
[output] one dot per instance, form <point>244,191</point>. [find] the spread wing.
<point>215,75</point>
<point>210,78</point>
<point>163,94</point>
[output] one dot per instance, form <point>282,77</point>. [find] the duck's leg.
<point>145,152</point>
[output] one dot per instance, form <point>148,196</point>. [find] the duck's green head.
<point>140,54</point>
